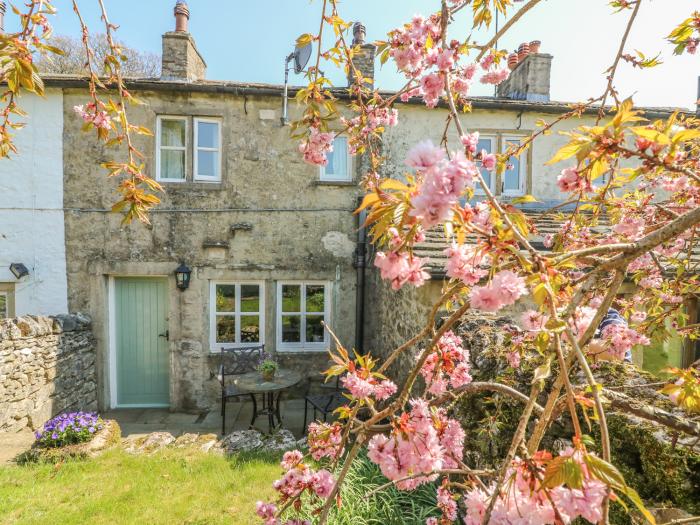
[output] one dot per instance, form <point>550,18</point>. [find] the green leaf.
<point>524,199</point>
<point>543,371</point>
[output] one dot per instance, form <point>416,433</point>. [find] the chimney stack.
<point>181,59</point>
<point>3,8</point>
<point>529,80</point>
<point>364,54</point>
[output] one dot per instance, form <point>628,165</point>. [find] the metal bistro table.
<point>271,392</point>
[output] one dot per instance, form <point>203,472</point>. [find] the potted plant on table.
<point>267,369</point>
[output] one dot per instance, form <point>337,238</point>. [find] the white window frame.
<point>215,346</point>
<point>494,148</point>
<point>348,176</point>
<point>184,148</point>
<point>6,313</point>
<point>523,167</point>
<point>304,346</point>
<point>196,149</point>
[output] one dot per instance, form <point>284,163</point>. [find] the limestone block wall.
<point>47,366</point>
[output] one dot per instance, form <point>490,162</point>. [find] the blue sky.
<point>248,40</point>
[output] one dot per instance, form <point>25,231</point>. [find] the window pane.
<point>511,177</point>
<point>291,298</point>
<point>207,134</point>
<point>172,164</point>
<point>337,166</point>
<point>250,298</point>
<point>250,329</point>
<point>225,329</point>
<point>3,306</point>
<point>172,133</point>
<point>225,297</point>
<point>314,298</point>
<point>208,163</point>
<point>485,144</point>
<point>314,329</point>
<point>291,329</point>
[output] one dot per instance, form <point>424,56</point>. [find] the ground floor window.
<point>302,308</point>
<point>7,300</point>
<point>237,314</point>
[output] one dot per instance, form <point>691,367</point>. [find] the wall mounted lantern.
<point>182,276</point>
<point>19,270</point>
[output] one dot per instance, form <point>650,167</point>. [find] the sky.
<point>247,41</point>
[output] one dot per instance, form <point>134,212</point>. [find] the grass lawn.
<point>173,487</point>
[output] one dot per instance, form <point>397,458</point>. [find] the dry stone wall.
<point>47,366</point>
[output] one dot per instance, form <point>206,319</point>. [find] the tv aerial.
<point>300,56</point>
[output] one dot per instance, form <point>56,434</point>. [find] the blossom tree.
<point>632,187</point>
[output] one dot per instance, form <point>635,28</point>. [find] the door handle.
<point>166,335</point>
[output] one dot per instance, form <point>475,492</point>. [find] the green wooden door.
<point>141,322</point>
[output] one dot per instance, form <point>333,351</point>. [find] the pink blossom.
<point>485,298</point>
<point>571,180</point>
<point>621,338</point>
<point>361,388</point>
<point>315,147</point>
<point>488,160</point>
<point>548,240</point>
<point>487,62</point>
<point>400,268</point>
<point>510,285</point>
<point>322,483</point>
<point>91,115</point>
<point>463,263</point>
<point>532,320</point>
<point>495,77</point>
<point>447,504</point>
<point>445,59</point>
<point>325,440</point>
<point>630,227</point>
<point>432,87</point>
<point>291,458</point>
<point>470,141</point>
<point>424,155</point>
<point>267,512</point>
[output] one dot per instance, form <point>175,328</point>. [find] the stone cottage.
<point>272,244</point>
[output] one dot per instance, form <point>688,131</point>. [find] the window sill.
<point>189,185</point>
<point>335,183</point>
<point>302,349</point>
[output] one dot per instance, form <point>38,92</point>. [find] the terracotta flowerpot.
<point>268,375</point>
<point>523,51</point>
<point>535,46</point>
<point>513,61</point>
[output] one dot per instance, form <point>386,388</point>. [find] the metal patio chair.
<point>233,362</point>
<point>324,402</point>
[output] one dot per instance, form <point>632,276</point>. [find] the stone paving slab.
<point>14,443</point>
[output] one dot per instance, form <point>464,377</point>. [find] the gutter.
<point>360,263</point>
<point>273,90</point>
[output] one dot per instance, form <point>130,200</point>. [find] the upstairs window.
<point>4,305</point>
<point>188,149</point>
<point>207,155</point>
<point>171,149</point>
<point>338,167</point>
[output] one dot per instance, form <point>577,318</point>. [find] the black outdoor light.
<point>182,276</point>
<point>19,270</point>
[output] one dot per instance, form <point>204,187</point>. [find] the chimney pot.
<point>359,32</point>
<point>182,16</point>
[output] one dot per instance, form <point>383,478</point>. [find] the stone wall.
<point>47,366</point>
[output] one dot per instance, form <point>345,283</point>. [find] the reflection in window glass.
<point>337,167</point>
<point>302,310</point>
<point>237,313</point>
<point>512,175</point>
<point>485,144</point>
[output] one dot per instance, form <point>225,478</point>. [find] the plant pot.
<point>535,46</point>
<point>513,61</point>
<point>268,375</point>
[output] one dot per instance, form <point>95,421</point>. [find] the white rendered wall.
<point>31,209</point>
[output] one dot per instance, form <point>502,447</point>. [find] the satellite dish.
<point>301,57</point>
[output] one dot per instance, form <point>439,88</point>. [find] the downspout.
<point>359,264</point>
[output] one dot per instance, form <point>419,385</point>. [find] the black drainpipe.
<point>360,263</point>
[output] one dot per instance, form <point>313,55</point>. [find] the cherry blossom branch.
<point>609,89</point>
<point>517,16</point>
